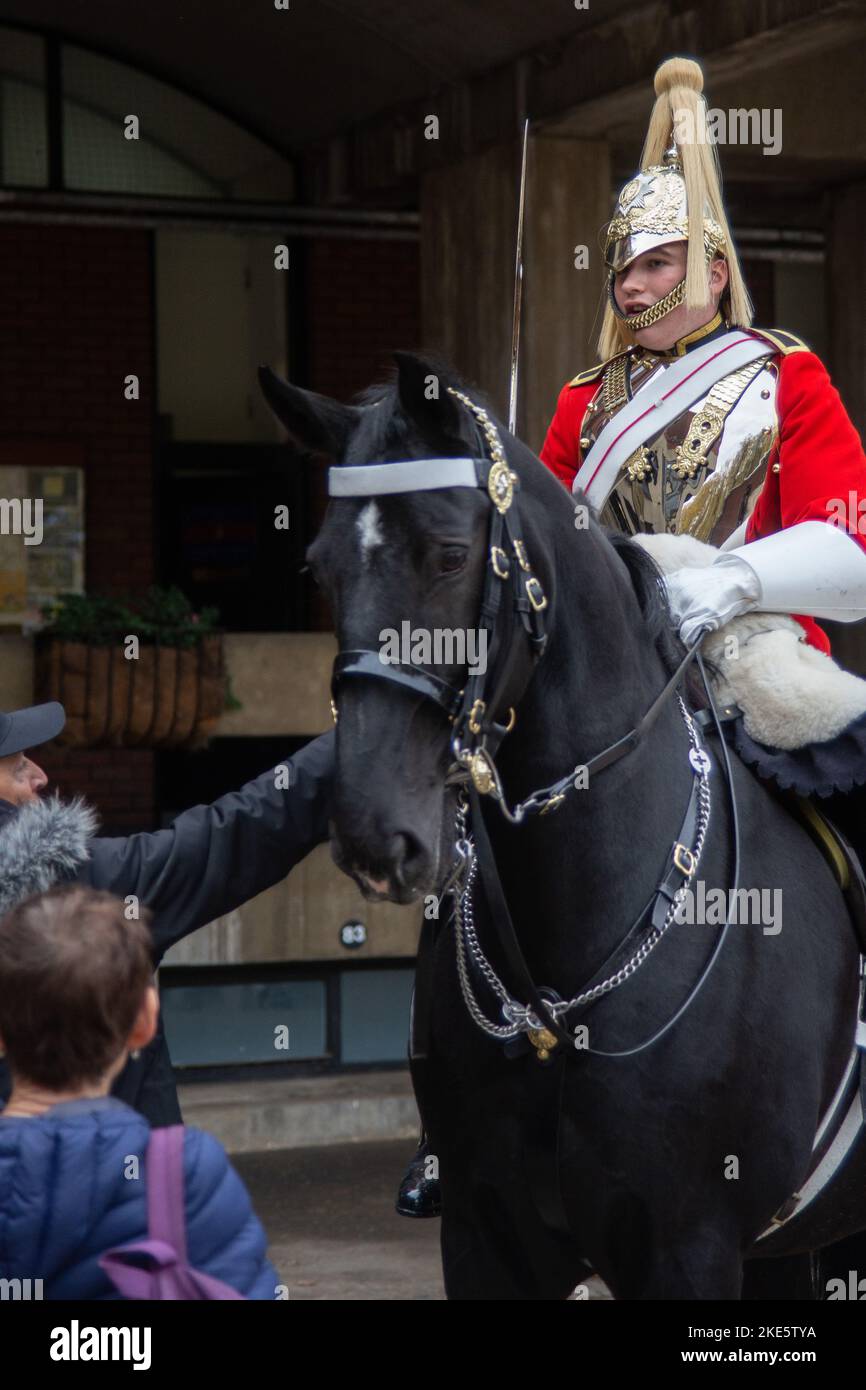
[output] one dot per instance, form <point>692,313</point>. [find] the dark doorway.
<point>218,538</point>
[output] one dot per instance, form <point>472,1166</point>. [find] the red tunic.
<point>822,474</point>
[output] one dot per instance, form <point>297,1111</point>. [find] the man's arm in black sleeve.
<point>213,858</point>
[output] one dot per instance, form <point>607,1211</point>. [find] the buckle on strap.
<point>499,562</point>
<point>535,594</point>
<point>684,859</point>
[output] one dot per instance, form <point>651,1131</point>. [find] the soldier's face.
<point>21,780</point>
<point>654,274</point>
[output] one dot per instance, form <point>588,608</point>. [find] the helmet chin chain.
<point>647,317</point>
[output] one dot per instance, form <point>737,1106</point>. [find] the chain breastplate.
<point>702,474</point>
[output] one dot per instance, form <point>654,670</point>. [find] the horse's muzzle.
<point>400,870</point>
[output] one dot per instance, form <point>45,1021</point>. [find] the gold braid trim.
<point>613,385</point>
<point>708,422</point>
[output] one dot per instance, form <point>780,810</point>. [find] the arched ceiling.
<point>297,75</point>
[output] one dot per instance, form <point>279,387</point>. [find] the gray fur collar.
<point>44,842</point>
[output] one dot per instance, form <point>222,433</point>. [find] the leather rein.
<point>482,712</point>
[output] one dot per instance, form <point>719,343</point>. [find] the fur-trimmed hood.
<point>41,844</point>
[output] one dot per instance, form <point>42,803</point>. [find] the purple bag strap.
<point>168,1275</point>
<point>164,1176</point>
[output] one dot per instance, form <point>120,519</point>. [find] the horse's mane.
<point>385,428</point>
<point>646,579</point>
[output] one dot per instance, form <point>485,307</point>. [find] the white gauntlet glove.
<point>813,567</point>
<point>706,597</point>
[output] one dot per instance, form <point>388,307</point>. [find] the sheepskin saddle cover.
<point>791,694</point>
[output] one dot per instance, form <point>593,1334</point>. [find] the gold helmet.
<point>652,209</point>
<point>679,174</point>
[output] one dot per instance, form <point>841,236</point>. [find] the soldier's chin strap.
<point>647,317</point>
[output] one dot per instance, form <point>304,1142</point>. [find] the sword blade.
<point>518,289</point>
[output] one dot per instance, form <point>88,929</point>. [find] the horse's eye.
<point>452,558</point>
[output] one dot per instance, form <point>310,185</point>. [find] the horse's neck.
<point>598,856</point>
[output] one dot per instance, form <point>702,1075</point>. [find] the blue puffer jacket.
<point>65,1200</point>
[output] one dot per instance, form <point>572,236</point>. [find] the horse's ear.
<point>424,395</point>
<point>315,423</point>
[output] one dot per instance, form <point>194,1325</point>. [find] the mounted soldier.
<point>694,423</point>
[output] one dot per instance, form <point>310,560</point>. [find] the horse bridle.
<point>477,732</point>
<point>483,710</point>
<point>473,709</point>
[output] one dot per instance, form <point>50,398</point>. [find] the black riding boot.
<point>419,1191</point>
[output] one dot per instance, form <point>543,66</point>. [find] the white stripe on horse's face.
<point>370,529</point>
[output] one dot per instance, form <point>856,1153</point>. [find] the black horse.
<point>658,1169</point>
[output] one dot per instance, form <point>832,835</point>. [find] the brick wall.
<point>76,318</point>
<point>118,782</point>
<point>363,300</point>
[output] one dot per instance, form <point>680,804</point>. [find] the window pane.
<point>23,123</point>
<point>208,1025</point>
<point>183,149</point>
<point>96,156</point>
<point>374,1014</point>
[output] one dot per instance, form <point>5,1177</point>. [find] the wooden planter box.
<point>168,698</point>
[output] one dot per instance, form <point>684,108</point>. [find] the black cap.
<point>27,728</point>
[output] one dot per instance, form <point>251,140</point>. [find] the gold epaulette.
<point>783,342</point>
<point>594,373</point>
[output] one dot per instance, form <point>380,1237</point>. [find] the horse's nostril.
<point>408,856</point>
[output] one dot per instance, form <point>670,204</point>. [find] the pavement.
<point>333,1232</point>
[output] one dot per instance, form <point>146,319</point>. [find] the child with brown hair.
<point>76,997</point>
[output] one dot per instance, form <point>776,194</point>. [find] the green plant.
<point>159,615</point>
